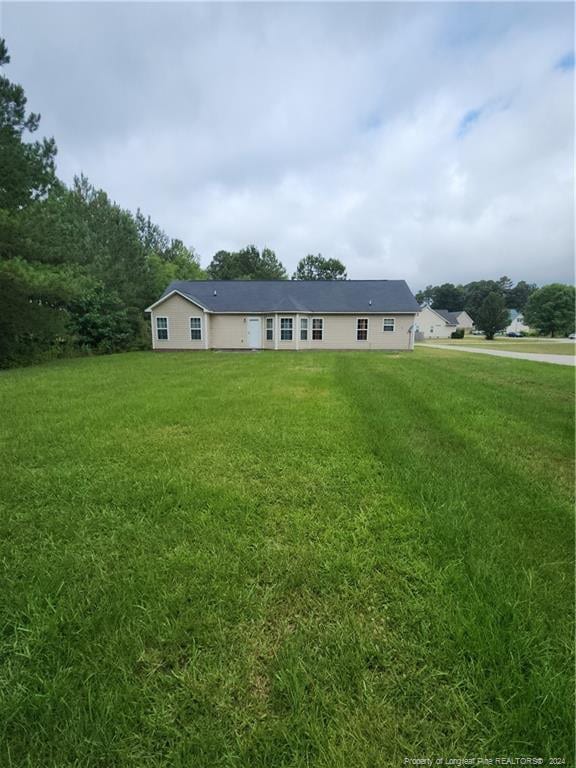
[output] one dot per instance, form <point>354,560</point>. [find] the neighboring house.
<point>284,314</point>
<point>516,322</point>
<point>464,321</point>
<point>435,323</point>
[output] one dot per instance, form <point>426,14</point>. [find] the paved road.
<point>535,357</point>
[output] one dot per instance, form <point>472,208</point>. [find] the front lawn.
<point>285,559</point>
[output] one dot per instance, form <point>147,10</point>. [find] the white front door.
<point>254,333</point>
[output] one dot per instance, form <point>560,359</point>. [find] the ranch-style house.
<point>284,314</point>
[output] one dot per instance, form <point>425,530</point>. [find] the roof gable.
<point>168,294</point>
<point>450,317</point>
<point>441,314</point>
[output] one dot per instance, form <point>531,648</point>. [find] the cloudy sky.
<point>428,141</point>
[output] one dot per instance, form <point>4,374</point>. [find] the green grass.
<point>319,559</point>
<point>542,347</point>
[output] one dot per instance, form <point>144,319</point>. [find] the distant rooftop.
<point>450,317</point>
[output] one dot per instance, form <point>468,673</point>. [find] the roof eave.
<point>179,293</point>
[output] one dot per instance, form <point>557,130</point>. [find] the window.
<point>303,329</point>
<point>269,329</point>
<point>389,323</point>
<point>317,328</point>
<point>285,329</point>
<point>196,328</point>
<point>162,328</point>
<point>362,329</point>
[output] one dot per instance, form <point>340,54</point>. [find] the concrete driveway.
<point>535,357</point>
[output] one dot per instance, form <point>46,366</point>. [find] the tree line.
<point>76,269</point>
<point>251,264</point>
<point>549,309</point>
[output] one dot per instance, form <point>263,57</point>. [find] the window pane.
<point>303,329</point>
<point>389,323</point>
<point>162,328</point>
<point>362,329</point>
<point>286,329</point>
<point>269,329</point>
<point>317,328</point>
<point>195,329</point>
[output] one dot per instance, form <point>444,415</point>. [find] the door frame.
<point>249,320</point>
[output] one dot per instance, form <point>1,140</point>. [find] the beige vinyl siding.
<point>433,326</point>
<point>229,331</point>
<point>178,311</point>
<point>465,321</point>
<point>340,332</point>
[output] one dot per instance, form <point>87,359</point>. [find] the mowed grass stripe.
<point>285,559</point>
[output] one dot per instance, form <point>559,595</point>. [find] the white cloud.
<point>331,128</point>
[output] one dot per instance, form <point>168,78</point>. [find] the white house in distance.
<point>284,314</point>
<point>464,321</point>
<point>516,322</point>
<point>440,323</point>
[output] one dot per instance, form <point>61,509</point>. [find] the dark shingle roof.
<point>364,296</point>
<point>450,317</point>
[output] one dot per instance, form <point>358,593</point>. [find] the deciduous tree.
<point>319,268</point>
<point>492,316</point>
<point>517,297</point>
<point>246,264</point>
<point>550,309</point>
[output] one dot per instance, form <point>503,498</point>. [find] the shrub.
<point>457,334</point>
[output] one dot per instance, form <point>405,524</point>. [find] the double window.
<point>317,329</point>
<point>286,324</point>
<point>162,328</point>
<point>389,324</point>
<point>362,329</point>
<point>269,329</point>
<point>196,328</point>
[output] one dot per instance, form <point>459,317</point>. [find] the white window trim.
<point>387,330</point>
<point>297,334</point>
<point>195,317</point>
<point>308,329</point>
<point>162,317</point>
<point>266,329</point>
<point>358,329</point>
<point>286,341</point>
<point>312,339</point>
